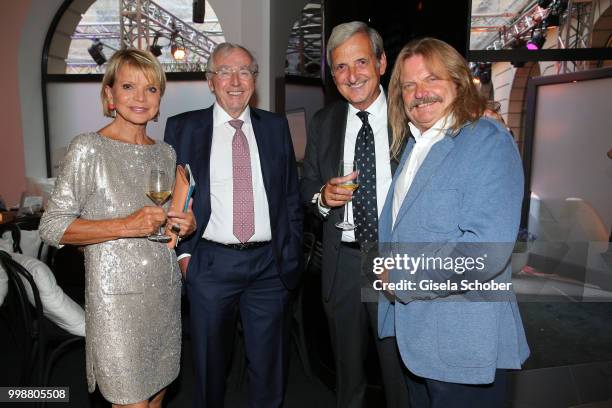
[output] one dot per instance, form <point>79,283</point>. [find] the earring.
<point>111,108</point>
<point>156,117</point>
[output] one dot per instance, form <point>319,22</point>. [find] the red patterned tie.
<point>244,213</point>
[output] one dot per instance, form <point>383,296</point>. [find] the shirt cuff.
<point>181,256</point>
<point>323,209</point>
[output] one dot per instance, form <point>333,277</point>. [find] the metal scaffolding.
<point>520,28</point>
<point>305,42</point>
<point>140,22</point>
<point>576,32</point>
<point>575,29</point>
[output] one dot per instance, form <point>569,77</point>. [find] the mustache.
<point>424,100</point>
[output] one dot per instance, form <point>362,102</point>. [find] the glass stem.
<point>346,217</point>
<point>161,231</point>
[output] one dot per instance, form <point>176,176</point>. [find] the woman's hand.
<point>144,222</point>
<point>182,223</point>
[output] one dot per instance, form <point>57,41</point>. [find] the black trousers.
<point>220,284</point>
<point>426,393</point>
<point>352,323</point>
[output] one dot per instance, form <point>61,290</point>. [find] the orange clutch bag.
<point>184,185</point>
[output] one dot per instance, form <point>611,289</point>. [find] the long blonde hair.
<point>443,59</point>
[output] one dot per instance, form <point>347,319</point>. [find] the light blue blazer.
<point>469,189</point>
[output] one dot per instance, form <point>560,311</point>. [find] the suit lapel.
<point>265,151</point>
<point>336,135</point>
<point>434,158</point>
<point>335,152</point>
<point>203,134</point>
<point>386,216</point>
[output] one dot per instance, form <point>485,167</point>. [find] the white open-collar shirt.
<point>423,143</point>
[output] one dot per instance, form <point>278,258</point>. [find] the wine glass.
<point>159,191</point>
<point>344,169</point>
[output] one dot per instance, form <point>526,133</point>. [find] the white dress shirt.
<point>377,117</point>
<point>420,150</point>
<point>220,225</point>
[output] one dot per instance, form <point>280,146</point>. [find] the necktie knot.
<point>236,123</point>
<point>363,115</point>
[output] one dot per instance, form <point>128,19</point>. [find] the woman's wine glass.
<point>159,191</point>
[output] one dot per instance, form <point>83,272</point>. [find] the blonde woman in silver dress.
<point>132,286</point>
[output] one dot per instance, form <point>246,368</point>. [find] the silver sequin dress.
<point>132,286</point>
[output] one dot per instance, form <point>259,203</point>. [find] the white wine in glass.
<point>159,197</point>
<point>344,169</point>
<point>159,191</point>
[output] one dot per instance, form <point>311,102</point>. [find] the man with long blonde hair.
<point>456,195</point>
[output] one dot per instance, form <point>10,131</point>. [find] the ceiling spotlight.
<point>177,47</point>
<point>484,69</point>
<point>517,42</point>
<point>96,52</point>
<point>537,41</point>
<point>178,51</point>
<point>550,21</point>
<point>199,11</point>
<point>481,72</point>
<point>544,3</point>
<point>556,11</point>
<point>154,48</point>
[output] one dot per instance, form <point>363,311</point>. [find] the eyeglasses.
<point>225,73</point>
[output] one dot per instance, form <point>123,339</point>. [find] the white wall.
<point>30,55</point>
<point>571,138</point>
<point>247,22</point>
<point>75,108</point>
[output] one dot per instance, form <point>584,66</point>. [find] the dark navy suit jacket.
<point>190,134</point>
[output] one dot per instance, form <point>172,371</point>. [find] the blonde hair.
<point>134,58</point>
<point>447,63</point>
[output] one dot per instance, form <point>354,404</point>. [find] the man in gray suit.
<point>354,129</point>
<point>456,197</point>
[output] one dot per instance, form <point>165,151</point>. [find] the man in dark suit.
<point>354,129</point>
<point>245,255</point>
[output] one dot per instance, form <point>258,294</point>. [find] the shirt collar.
<point>220,116</point>
<point>438,130</point>
<point>376,109</point>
